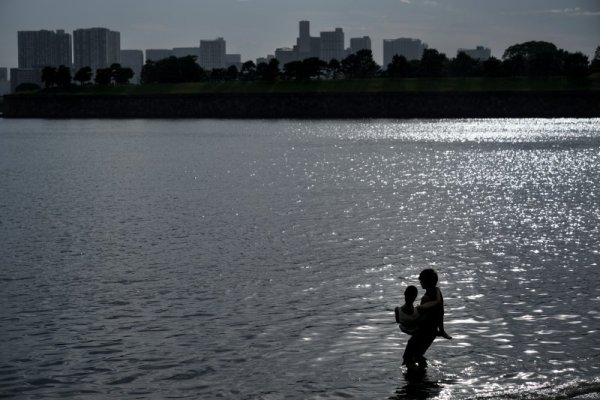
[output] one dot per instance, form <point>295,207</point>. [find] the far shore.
<point>369,98</point>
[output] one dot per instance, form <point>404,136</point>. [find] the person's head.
<point>428,278</point>
<point>410,294</point>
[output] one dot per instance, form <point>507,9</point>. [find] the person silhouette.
<point>429,324</point>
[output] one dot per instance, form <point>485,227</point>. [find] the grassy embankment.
<point>376,85</point>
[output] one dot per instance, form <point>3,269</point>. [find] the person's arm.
<point>431,303</point>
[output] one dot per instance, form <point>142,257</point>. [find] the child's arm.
<point>431,303</point>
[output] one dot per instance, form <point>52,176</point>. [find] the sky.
<point>254,28</point>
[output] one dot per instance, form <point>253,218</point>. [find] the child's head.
<point>428,278</point>
<point>410,294</point>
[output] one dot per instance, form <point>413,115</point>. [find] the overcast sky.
<point>255,28</point>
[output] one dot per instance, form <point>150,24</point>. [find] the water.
<point>263,259</point>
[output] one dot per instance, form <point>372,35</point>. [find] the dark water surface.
<point>263,260</point>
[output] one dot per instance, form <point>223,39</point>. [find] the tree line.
<point>531,59</point>
<point>61,76</point>
<point>535,59</point>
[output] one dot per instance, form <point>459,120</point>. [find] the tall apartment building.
<point>213,54</point>
<point>357,44</point>
<point>332,45</point>
<point>158,54</point>
<point>96,48</point>
<point>411,49</point>
<point>38,49</point>
<point>479,53</point>
<point>133,59</point>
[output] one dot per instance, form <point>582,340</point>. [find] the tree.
<point>49,76</point>
<point>360,65</point>
<point>529,50</point>
<point>492,67</point>
<point>399,67</point>
<point>268,71</point>
<point>149,72</point>
<point>120,75</point>
<point>334,69</point>
<point>103,76</point>
<point>533,58</point>
<point>248,71</point>
<point>575,65</point>
<point>232,73</point>
<point>464,65</point>
<point>433,63</point>
<point>309,68</point>
<point>83,75</point>
<point>63,76</point>
<point>189,69</point>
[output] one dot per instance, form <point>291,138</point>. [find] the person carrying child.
<point>424,323</point>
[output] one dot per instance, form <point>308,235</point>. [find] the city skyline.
<point>255,28</point>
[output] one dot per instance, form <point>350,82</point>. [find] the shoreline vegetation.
<point>369,85</point>
<point>534,79</point>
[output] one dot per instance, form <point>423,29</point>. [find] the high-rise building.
<point>479,53</point>
<point>96,48</point>
<point>332,45</point>
<point>411,49</point>
<point>158,54</point>
<point>133,59</point>
<point>3,74</point>
<point>213,54</point>
<point>303,41</point>
<point>357,44</point>
<point>38,49</point>
<point>306,45</point>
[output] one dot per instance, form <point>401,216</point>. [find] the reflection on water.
<point>253,259</point>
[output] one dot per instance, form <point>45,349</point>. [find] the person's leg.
<point>409,356</point>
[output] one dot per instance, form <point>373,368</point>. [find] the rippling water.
<point>263,260</point>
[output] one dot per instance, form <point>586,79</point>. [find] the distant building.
<point>233,60</point>
<point>96,48</point>
<point>479,53</point>
<point>158,54</point>
<point>213,54</point>
<point>38,49</point>
<point>332,45</point>
<point>186,51</point>
<point>411,49</point>
<point>265,60</point>
<point>306,45</point>
<point>357,44</point>
<point>4,83</point>
<point>133,59</point>
<point>285,55</point>
<point>24,75</point>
